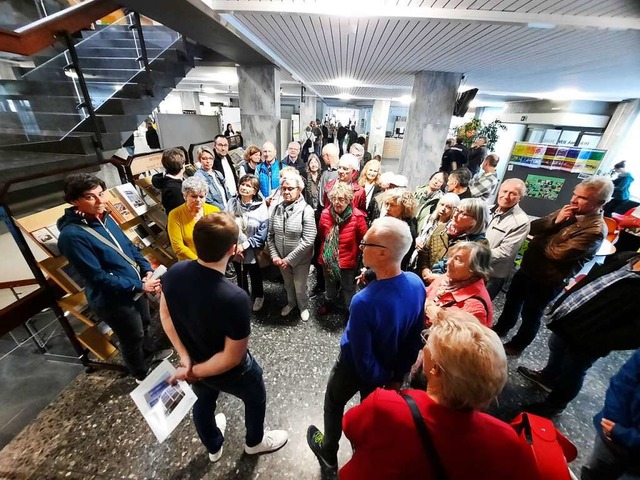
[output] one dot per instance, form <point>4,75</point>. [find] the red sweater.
<point>359,195</point>
<point>462,299</point>
<point>351,234</point>
<point>470,444</point>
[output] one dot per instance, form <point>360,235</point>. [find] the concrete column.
<point>308,111</point>
<point>432,101</point>
<point>190,101</point>
<point>259,92</point>
<point>617,132</point>
<point>378,126</point>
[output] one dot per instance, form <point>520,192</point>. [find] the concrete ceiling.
<point>508,49</point>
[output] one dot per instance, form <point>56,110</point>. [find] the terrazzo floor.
<point>92,430</point>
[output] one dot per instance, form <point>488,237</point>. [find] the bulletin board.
<point>551,173</point>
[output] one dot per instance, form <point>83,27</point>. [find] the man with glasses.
<point>348,173</point>
<point>330,160</point>
<point>382,338</point>
<point>563,242</point>
<point>268,171</point>
<point>113,269</point>
<point>223,163</point>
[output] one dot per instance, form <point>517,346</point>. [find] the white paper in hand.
<point>163,405</point>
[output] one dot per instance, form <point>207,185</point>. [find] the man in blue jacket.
<point>113,269</point>
<point>616,452</point>
<point>382,338</point>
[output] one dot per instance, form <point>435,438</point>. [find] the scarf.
<point>448,286</point>
<point>331,243</point>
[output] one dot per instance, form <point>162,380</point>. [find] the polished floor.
<point>92,430</point>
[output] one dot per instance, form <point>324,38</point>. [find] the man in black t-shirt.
<point>454,157</point>
<point>207,319</point>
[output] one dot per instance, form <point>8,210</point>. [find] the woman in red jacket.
<point>467,368</point>
<point>341,228</point>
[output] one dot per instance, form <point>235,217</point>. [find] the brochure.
<point>163,405</point>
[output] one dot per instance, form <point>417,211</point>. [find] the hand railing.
<point>82,79</point>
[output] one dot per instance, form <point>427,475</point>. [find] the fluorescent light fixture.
<point>406,99</point>
<point>345,82</point>
<point>542,26</point>
<point>564,94</point>
<point>344,96</point>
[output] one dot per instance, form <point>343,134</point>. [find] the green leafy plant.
<point>477,128</point>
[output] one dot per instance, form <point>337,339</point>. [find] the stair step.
<point>114,123</point>
<point>124,52</point>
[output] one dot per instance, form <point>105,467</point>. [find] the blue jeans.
<point>528,297</point>
<point>343,384</point>
<point>130,322</point>
<point>248,386</point>
<point>565,371</point>
<point>610,461</point>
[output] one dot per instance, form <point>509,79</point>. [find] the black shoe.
<point>543,409</point>
<point>511,350</point>
<point>314,440</point>
<point>535,377</point>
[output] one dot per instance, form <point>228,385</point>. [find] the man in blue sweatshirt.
<point>382,338</point>
<point>113,269</point>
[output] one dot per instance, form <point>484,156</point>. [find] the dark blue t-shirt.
<point>205,308</point>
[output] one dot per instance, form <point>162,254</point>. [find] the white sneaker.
<point>271,441</point>
<point>221,422</point>
<point>304,315</point>
<point>286,310</point>
<point>258,303</point>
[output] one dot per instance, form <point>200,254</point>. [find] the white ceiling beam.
<point>380,8</point>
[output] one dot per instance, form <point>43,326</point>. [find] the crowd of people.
<point>413,272</point>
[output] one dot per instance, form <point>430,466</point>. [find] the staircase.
<point>43,125</point>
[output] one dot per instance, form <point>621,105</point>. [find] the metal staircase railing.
<point>82,81</point>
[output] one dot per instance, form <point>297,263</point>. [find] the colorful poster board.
<point>581,161</point>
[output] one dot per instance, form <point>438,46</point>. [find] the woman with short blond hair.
<point>466,369</point>
<point>400,203</point>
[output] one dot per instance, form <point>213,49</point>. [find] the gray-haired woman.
<point>183,219</point>
<point>292,231</point>
<point>469,223</point>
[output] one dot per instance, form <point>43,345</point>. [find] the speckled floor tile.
<point>93,430</point>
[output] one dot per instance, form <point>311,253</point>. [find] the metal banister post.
<point>143,46</point>
<point>84,89</point>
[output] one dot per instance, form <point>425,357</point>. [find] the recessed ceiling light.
<point>346,82</point>
<point>406,99</point>
<point>344,96</point>
<point>543,26</point>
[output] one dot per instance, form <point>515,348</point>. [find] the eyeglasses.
<point>462,213</point>
<point>288,189</point>
<point>339,200</point>
<point>222,145</point>
<point>364,244</point>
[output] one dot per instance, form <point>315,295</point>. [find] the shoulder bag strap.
<point>427,442</point>
<point>108,243</point>
<point>483,302</point>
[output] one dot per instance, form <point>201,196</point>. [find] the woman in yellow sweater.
<point>183,219</point>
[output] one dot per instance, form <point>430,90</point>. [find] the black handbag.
<point>427,442</point>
